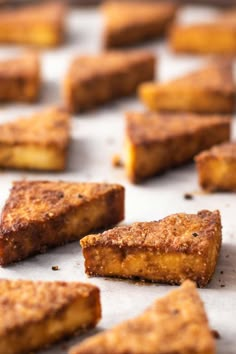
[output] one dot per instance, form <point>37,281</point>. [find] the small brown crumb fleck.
<point>175,312</point>
<point>80,196</point>
<point>116,161</point>
<point>215,334</point>
<point>227,256</point>
<point>195,234</point>
<point>222,286</point>
<point>188,196</point>
<point>55,268</point>
<point>221,272</point>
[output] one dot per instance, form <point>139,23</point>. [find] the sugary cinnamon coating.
<point>174,324</point>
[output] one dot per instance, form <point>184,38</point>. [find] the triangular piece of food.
<point>36,314</point>
<point>215,37</point>
<point>174,324</point>
<point>178,247</point>
<point>156,142</point>
<point>20,78</point>
<point>40,24</point>
<point>131,22</point>
<point>95,79</point>
<point>43,214</point>
<point>217,168</point>
<point>39,142</point>
<point>207,90</point>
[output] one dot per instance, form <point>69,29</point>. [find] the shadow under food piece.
<point>79,155</point>
<point>51,93</point>
<point>225,273</point>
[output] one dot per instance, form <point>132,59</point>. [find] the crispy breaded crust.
<point>39,142</point>
<point>217,168</point>
<point>156,142</point>
<point>174,324</point>
<point>178,247</point>
<point>208,90</point>
<point>41,24</point>
<point>217,37</point>
<point>42,214</point>
<point>130,22</point>
<point>20,78</point>
<point>95,79</point>
<point>35,314</point>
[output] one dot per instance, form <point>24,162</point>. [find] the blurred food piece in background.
<point>129,23</point>
<point>41,23</point>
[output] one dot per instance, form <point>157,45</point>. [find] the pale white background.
<point>96,136</point>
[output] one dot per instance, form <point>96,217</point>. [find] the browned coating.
<point>130,22</point>
<point>174,324</point>
<point>42,214</point>
<point>216,77</point>
<point>226,151</point>
<point>173,234</point>
<point>20,78</point>
<point>147,128</point>
<point>95,79</point>
<point>39,201</point>
<point>24,302</point>
<point>89,67</point>
<point>47,128</point>
<point>26,66</point>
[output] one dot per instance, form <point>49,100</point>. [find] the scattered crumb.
<point>188,196</point>
<point>215,334</point>
<point>222,286</point>
<point>55,268</point>
<point>221,272</point>
<point>116,161</point>
<point>195,234</point>
<point>227,256</point>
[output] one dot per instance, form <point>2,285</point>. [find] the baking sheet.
<point>96,136</point>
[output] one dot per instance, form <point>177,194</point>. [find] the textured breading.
<point>178,247</point>
<point>20,78</point>
<point>207,90</point>
<point>95,79</point>
<point>131,22</point>
<point>217,168</point>
<point>216,37</point>
<point>43,214</point>
<point>175,324</point>
<point>37,24</point>
<point>39,142</point>
<point>156,142</point>
<point>35,314</point>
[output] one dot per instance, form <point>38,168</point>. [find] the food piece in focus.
<point>41,214</point>
<point>178,247</point>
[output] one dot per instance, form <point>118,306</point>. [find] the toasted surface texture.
<point>36,314</point>
<point>39,142</point>
<point>40,24</point>
<point>20,78</point>
<point>178,247</point>
<point>207,90</point>
<point>217,168</point>
<point>156,142</point>
<point>42,214</point>
<point>174,324</point>
<point>131,22</point>
<point>95,79</point>
<point>216,37</point>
